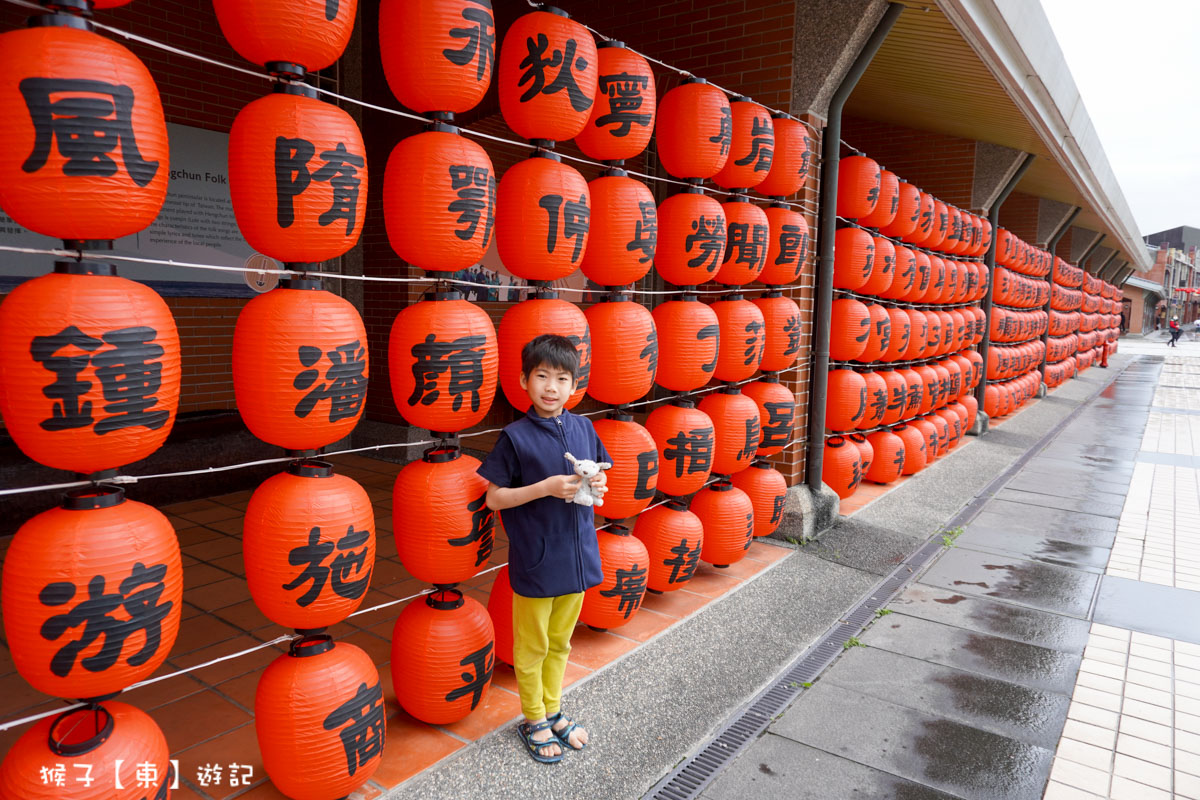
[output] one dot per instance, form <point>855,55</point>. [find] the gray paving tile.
<point>1150,608</point>
<point>1075,501</point>
<point>1032,479</point>
<point>1046,549</point>
<point>1066,525</point>
<point>872,548</point>
<point>1116,470</point>
<point>1168,459</point>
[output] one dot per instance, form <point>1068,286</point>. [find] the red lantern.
<point>442,656</point>
<point>500,611</point>
<point>791,159</point>
<point>625,563</point>
<point>300,366</point>
<point>439,195</point>
<point>727,515</point>
<point>883,272</point>
<point>308,510</point>
<point>920,285</point>
<point>787,245</point>
<point>752,148</point>
<point>953,425</point>
<point>320,717</point>
<point>877,400</point>
<point>545,313</point>
<point>113,744</point>
<point>673,537</point>
<point>897,396</point>
<point>444,530</point>
<point>916,392</point>
<point>930,435</point>
<point>841,466</point>
<point>745,242</point>
<point>908,212</point>
<point>743,338</point>
<point>924,228</point>
<point>767,490</point>
<point>853,258</point>
<point>879,337</point>
<point>889,457</point>
<point>866,453</point>
<point>691,242</point>
<point>901,332</point>
<point>634,474</point>
<point>888,205</point>
<point>683,436</point>
<point>626,350</point>
<point>776,412</point>
<point>311,35</point>
<point>78,184</point>
<point>623,231</point>
<point>622,117</point>
<point>542,212</point>
<point>846,400</point>
<point>914,448</point>
<point>906,274</point>
<point>90,366</point>
<point>437,56</point>
<point>737,429</point>
<point>297,176</point>
<point>850,326</point>
<point>693,130</point>
<point>547,77</point>
<point>781,316</point>
<point>918,333</point>
<point>859,181</point>
<point>96,554</point>
<point>941,226</point>
<point>688,343</point>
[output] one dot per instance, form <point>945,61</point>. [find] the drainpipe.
<point>827,232</point>
<point>1050,245</point>
<point>1104,266</point>
<point>1091,249</point>
<point>980,427</point>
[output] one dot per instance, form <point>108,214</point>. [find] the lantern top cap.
<point>441,454</point>
<point>61,20</point>
<point>91,718</point>
<point>445,599</point>
<point>617,529</point>
<point>84,268</point>
<point>549,9</point>
<point>91,498</point>
<point>620,415</point>
<point>675,504</point>
<point>297,89</point>
<point>310,645</point>
<point>723,484</point>
<point>306,284</point>
<point>683,402</point>
<point>610,43</point>
<point>310,468</point>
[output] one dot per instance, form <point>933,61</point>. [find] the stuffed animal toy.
<point>587,469</point>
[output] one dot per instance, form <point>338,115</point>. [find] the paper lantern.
<point>437,56</point>
<point>866,452</point>
<point>880,337</point>
<point>953,425</point>
<point>776,412</point>
<point>309,546</point>
<point>901,331</point>
<point>883,271</point>
<point>889,457</point>
<point>743,338</point>
<point>791,158</point>
<point>941,226</point>
<point>841,466</point>
<point>767,490</point>
<point>500,611</point>
<point>787,246</point>
<point>918,334</point>
<point>320,718</point>
<point>547,76</point>
<point>311,35</point>
<point>625,564</point>
<point>924,227</point>
<point>673,537</point>
<point>849,329</point>
<point>85,143</point>
<point>623,232</point>
<point>684,438</point>
<point>781,316</point>
<point>916,392</point>
<point>914,448</point>
<point>542,218</point>
<point>691,242</point>
<point>846,400</point>
<point>921,284</point>
<point>752,149</point>
<point>736,427</point>
<point>853,258</point>
<point>91,368</point>
<point>625,350</point>
<point>727,515</point>
<point>634,474</point>
<point>906,274</point>
<point>442,656</point>
<point>622,116</point>
<point>746,242</point>
<point>92,594</point>
<point>930,434</point>
<point>694,130</point>
<point>897,396</point>
<point>888,205</point>
<point>877,400</point>
<point>300,366</point>
<point>908,211</point>
<point>689,335</point>
<point>439,199</point>
<point>859,181</point>
<point>545,313</point>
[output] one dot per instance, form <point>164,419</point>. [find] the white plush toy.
<point>587,469</point>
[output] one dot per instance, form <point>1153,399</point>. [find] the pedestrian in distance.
<point>1176,332</point>
<point>553,555</point>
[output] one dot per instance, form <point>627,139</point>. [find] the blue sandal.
<point>526,730</point>
<point>564,735</point>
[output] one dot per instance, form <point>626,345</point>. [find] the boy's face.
<point>549,389</point>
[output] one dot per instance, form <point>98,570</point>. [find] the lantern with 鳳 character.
<point>625,563</point>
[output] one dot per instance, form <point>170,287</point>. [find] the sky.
<point>1137,66</point>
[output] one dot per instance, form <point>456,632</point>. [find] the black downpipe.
<point>1050,245</point>
<point>1088,253</point>
<point>1104,267</point>
<point>827,231</point>
<point>990,261</point>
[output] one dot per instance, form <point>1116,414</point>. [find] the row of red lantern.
<point>1095,322</point>
<point>1094,303</point>
<point>1020,256</point>
<point>865,400</point>
<point>1060,372</point>
<point>1019,291</point>
<point>1009,362</point>
<point>1059,348</point>
<point>1091,284</point>
<point>879,199</point>
<point>876,266</point>
<point>1064,299</point>
<point>1016,326</point>
<point>1068,275</point>
<point>872,332</point>
<point>1002,399</point>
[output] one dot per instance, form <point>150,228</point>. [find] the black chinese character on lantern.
<point>883,329</point>
<point>879,401</point>
<point>725,133</point>
<point>476,190</point>
<point>898,460</point>
<point>461,357</point>
<point>138,595</point>
<point>683,565</point>
<point>756,342</point>
<point>762,146</point>
<point>777,508</point>
<point>691,451</point>
<point>710,332</point>
<point>647,469</point>
<point>346,563</point>
<point>129,372</point>
<point>645,232</point>
<point>363,737</point>
<point>292,178</point>
<point>865,324</point>
<point>483,528</point>
<point>650,351</point>
<point>347,387</point>
<point>625,98</point>
<point>793,245</point>
<point>584,345</point>
<point>806,159</point>
<point>710,235</point>
<point>331,9</point>
<point>869,261</point>
<point>855,475</point>
<point>750,443</point>
<point>778,425</point>
<point>535,64</point>
<point>862,404</point>
<point>750,242</point>
<point>575,217</point>
<point>791,329</point>
<point>480,42</point>
<point>898,396</point>
<point>88,120</point>
<point>630,586</point>
<point>481,663</point>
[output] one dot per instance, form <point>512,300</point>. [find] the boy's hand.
<point>561,486</point>
<point>599,483</point>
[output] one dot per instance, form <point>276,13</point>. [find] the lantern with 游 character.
<point>634,474</point>
<point>692,238</point>
<point>767,489</point>
<point>727,515</point>
<point>321,719</point>
<point>543,212</point>
<point>752,148</point>
<point>736,426</point>
<point>746,242</point>
<point>625,354</point>
<point>623,232</point>
<point>622,117</point>
<point>625,564</point>
<point>673,537</point>
<point>743,338</point>
<point>689,336</point>
<point>694,130</point>
<point>777,412</point>
<point>544,313</point>
<point>309,546</point>
<point>683,435</point>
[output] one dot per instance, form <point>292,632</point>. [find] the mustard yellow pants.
<point>542,628</point>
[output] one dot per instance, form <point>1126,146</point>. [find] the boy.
<point>553,554</point>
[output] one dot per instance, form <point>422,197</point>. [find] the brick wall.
<point>1019,215</point>
<point>939,164</point>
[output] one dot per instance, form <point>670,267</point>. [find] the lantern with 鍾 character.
<point>767,489</point>
<point>623,230</point>
<point>283,36</point>
<point>689,335</point>
<point>694,130</point>
<point>320,717</point>
<point>625,563</point>
<point>300,366</point>
<point>791,158</point>
<point>634,476</point>
<point>736,427</point>
<point>727,515</point>
<point>91,368</point>
<point>543,212</point>
<point>684,436</point>
<point>544,313</point>
<point>673,537</point>
<point>777,413</point>
<point>443,652</point>
<point>622,117</point>
<point>743,338</point>
<point>752,148</point>
<point>787,245</point>
<point>309,546</point>
<point>746,242</point>
<point>92,594</point>
<point>625,356</point>
<point>692,238</point>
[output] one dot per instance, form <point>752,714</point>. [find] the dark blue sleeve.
<point>501,466</point>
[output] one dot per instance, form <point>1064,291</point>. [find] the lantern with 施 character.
<point>777,413</point>
<point>727,515</point>
<point>684,438</point>
<point>543,211</point>
<point>767,490</point>
<point>746,242</point>
<point>736,427</point>
<point>689,335</point>
<point>673,537</point>
<point>691,241</point>
<point>625,356</point>
<point>623,230</point>
<point>743,338</point>
<point>787,245</point>
<point>544,313</point>
<point>694,130</point>
<point>752,148</point>
<point>622,117</point>
<point>634,475</point>
<point>625,564</point>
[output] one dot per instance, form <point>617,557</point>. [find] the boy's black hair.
<point>553,351</point>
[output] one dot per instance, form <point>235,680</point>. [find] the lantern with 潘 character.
<point>625,563</point>
<point>297,176</point>
<point>623,230</point>
<point>634,474</point>
<point>736,427</point>
<point>443,360</point>
<point>727,516</point>
<point>787,245</point>
<point>309,34</point>
<point>437,55</point>
<point>439,200</point>
<point>500,611</point>
<point>777,413</point>
<point>543,211</point>
<point>85,144</point>
<point>526,320</point>
<point>767,489</point>
<point>442,656</point>
<point>781,318</point>
<point>684,437</point>
<point>444,530</point>
<point>841,466</point>
<point>673,537</point>
<point>746,242</point>
<point>691,242</point>
<point>743,338</point>
<point>625,354</point>
<point>92,594</point>
<point>547,76</point>
<point>622,117</point>
<point>321,719</point>
<point>790,160</point>
<point>309,546</point>
<point>752,148</point>
<point>694,130</point>
<point>91,368</point>
<point>300,366</point>
<point>689,335</point>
